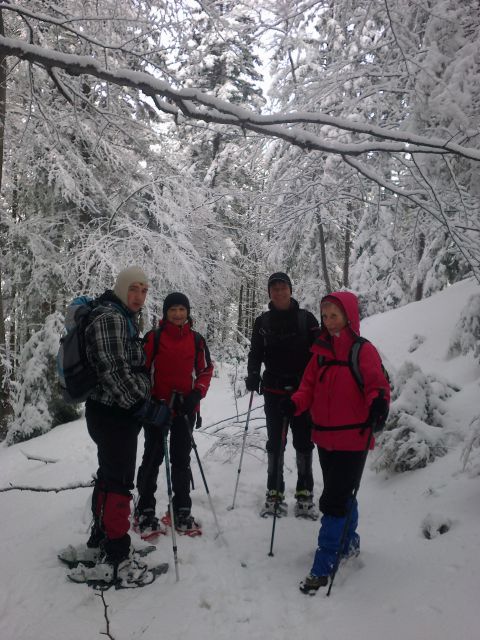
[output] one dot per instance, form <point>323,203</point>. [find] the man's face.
<point>137,294</point>
<point>177,315</point>
<point>280,295</point>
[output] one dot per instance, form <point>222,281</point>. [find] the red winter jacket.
<point>331,393</point>
<point>175,368</point>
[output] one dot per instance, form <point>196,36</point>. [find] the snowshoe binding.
<point>305,507</point>
<point>274,504</point>
<point>185,523</point>
<point>312,584</point>
<point>148,526</point>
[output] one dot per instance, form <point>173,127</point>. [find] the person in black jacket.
<point>281,340</point>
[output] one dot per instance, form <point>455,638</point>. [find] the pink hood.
<point>348,302</point>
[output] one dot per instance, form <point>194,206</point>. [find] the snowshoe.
<point>305,507</point>
<point>312,584</point>
<point>185,524</point>
<point>130,573</point>
<point>274,503</point>
<point>72,556</point>
<point>148,526</point>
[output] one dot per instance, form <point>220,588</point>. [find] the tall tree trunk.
<point>347,246</point>
<point>323,255</point>
<point>240,319</point>
<point>4,406</point>
<point>421,249</point>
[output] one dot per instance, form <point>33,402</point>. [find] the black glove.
<point>190,402</point>
<point>154,413</point>
<point>288,407</point>
<point>378,414</point>
<point>252,382</point>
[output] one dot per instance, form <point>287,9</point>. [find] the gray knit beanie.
<point>127,277</point>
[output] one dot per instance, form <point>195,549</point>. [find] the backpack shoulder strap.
<point>200,344</point>
<point>156,341</point>
<point>302,322</point>
<point>353,361</point>
<point>265,322</point>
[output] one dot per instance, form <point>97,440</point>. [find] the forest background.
<point>215,142</point>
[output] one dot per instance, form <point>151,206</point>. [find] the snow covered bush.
<point>37,405</point>
<point>414,434</point>
<point>466,336</point>
<point>472,443</point>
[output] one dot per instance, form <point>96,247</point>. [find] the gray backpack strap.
<point>354,359</point>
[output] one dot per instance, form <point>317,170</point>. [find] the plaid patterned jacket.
<point>115,351</point>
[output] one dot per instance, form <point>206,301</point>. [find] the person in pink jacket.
<point>344,407</point>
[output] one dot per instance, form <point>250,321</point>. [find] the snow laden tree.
<point>415,433</point>
<point>91,184</point>
<point>368,65</point>
<point>216,54</point>
<point>95,176</point>
<point>35,404</point>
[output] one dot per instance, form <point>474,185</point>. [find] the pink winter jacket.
<point>331,393</point>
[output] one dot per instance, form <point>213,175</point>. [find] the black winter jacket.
<point>279,342</point>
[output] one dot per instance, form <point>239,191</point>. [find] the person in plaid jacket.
<point>115,408</point>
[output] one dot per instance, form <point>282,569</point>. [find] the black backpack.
<point>352,363</point>
<point>76,376</point>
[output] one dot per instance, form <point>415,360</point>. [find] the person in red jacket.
<point>179,361</point>
<point>343,412</point>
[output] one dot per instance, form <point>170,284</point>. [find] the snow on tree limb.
<point>69,487</point>
<point>198,105</point>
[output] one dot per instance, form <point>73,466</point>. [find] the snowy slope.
<point>402,586</point>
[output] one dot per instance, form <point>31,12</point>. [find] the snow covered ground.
<point>403,586</point>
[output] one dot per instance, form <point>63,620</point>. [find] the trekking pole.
<point>243,449</point>
<point>194,445</point>
<point>348,518</point>
<point>169,487</point>
<point>279,478</point>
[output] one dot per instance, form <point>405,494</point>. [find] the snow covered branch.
<point>198,105</point>
<point>79,485</point>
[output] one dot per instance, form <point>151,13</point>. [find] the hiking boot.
<point>305,507</point>
<point>148,525</point>
<point>186,523</point>
<point>274,503</point>
<point>312,584</point>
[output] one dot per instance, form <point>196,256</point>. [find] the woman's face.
<point>177,315</point>
<point>333,318</point>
